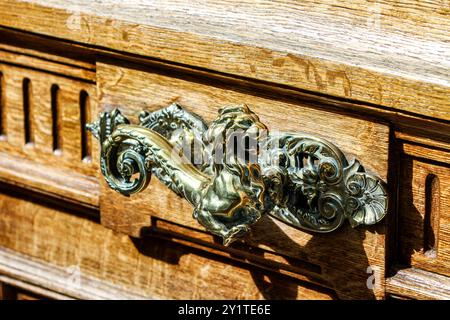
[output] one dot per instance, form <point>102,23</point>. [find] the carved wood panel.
<point>330,260</point>
<point>424,208</point>
<point>43,145</point>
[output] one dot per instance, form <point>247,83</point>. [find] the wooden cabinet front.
<point>65,233</point>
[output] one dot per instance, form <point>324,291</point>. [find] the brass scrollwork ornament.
<point>235,170</point>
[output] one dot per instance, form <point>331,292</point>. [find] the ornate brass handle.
<point>234,171</point>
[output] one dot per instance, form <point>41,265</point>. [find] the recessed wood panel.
<point>344,258</point>
<point>424,208</point>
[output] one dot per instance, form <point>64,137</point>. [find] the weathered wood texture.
<point>419,284</point>
<point>49,246</point>
<point>345,254</point>
<point>352,72</point>
<point>44,107</point>
<point>393,54</point>
<point>424,208</point>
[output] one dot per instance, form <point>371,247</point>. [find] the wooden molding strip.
<point>21,270</point>
<point>38,177</point>
<point>46,65</point>
<point>425,141</point>
<point>311,46</point>
<point>419,284</point>
<point>42,292</point>
<point>425,152</point>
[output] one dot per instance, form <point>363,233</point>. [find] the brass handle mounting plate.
<point>235,170</point>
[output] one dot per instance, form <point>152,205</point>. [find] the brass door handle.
<point>234,171</point>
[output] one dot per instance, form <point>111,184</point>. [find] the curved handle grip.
<point>234,171</point>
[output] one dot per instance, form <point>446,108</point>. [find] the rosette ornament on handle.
<point>234,171</point>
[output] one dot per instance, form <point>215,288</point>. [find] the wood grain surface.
<point>392,53</point>
<point>419,284</point>
<point>370,76</point>
<point>49,244</point>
